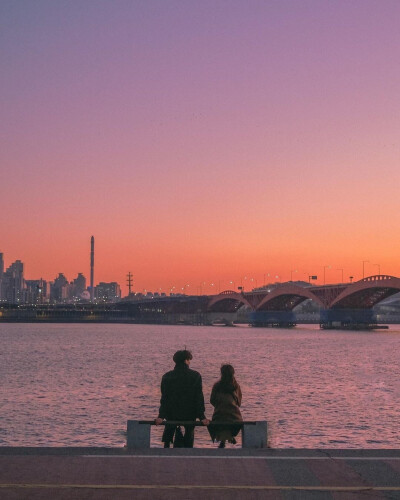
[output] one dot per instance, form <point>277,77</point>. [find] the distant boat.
<point>222,322</point>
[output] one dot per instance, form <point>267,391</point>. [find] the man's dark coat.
<point>182,394</point>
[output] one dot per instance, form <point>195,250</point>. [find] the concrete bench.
<point>254,434</point>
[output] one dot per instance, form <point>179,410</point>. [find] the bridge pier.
<point>280,319</point>
<point>352,319</point>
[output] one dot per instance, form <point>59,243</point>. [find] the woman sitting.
<point>226,397</point>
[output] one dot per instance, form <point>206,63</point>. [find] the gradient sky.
<point>200,141</point>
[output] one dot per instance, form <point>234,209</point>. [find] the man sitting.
<point>181,399</point>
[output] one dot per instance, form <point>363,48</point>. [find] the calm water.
<point>78,384</point>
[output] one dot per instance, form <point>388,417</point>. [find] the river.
<point>76,384</point>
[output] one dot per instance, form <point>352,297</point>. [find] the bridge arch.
<point>227,301</point>
<point>366,293</point>
<point>286,298</point>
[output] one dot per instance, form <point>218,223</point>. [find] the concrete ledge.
<point>220,474</point>
<point>198,452</point>
<point>138,433</point>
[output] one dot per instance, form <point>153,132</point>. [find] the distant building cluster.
<point>14,289</point>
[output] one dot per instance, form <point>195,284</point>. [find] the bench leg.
<point>138,435</point>
<point>255,436</point>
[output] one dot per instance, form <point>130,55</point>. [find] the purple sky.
<point>200,140</point>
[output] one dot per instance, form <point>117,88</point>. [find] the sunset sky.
<point>200,141</point>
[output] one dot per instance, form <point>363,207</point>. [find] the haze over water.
<point>76,385</point>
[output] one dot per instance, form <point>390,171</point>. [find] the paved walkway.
<point>105,474</point>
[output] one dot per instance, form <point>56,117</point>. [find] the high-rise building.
<point>37,291</point>
<point>13,283</point>
<point>60,289</point>
<point>108,292</point>
<point>78,286</point>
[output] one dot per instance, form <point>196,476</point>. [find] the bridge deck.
<point>104,473</point>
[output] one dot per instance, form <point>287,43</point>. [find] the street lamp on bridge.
<point>291,274</point>
<point>379,268</point>
<point>254,280</point>
<point>364,262</point>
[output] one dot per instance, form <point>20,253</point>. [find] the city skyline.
<point>200,141</point>
<point>204,287</point>
<point>15,288</point>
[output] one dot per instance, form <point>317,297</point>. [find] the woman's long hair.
<point>227,382</point>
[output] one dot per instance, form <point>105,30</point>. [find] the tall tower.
<point>129,282</point>
<point>1,275</point>
<point>92,268</point>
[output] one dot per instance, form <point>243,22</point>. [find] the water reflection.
<point>78,384</point>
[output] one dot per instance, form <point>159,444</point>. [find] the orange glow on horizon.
<point>198,148</point>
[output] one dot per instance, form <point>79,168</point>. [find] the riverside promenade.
<point>192,474</point>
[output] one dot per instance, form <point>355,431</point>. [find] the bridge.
<point>343,305</point>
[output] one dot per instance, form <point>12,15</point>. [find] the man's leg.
<point>178,439</point>
<point>168,435</point>
<point>189,436</point>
